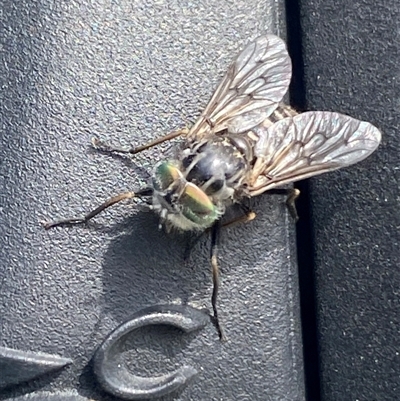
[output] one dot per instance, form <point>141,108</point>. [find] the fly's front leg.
<point>292,194</point>
<point>110,202</point>
<point>248,216</point>
<point>215,231</point>
<point>100,145</point>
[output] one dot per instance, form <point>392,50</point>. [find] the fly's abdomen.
<point>281,112</point>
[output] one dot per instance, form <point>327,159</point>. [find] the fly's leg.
<point>292,194</point>
<point>248,215</point>
<point>100,145</point>
<point>215,275</point>
<point>110,202</point>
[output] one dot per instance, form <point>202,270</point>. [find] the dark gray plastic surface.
<point>351,56</point>
<point>129,72</point>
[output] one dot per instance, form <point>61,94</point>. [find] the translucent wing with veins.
<point>309,144</point>
<point>251,90</point>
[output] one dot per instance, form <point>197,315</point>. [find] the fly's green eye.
<point>165,174</point>
<point>197,206</point>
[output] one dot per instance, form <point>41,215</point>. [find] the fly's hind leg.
<point>102,146</point>
<point>110,202</point>
<point>215,275</point>
<point>292,194</point>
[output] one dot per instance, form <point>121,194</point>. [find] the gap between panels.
<point>304,227</point>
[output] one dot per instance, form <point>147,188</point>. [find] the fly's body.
<point>212,174</point>
<point>245,143</point>
<point>218,168</point>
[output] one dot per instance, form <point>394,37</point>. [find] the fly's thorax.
<point>218,166</point>
<point>180,203</point>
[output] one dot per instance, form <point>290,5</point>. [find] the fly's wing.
<point>309,144</point>
<point>250,91</point>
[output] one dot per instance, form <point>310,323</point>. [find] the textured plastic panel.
<point>129,72</point>
<point>351,56</point>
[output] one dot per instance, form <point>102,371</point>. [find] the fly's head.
<point>181,204</point>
